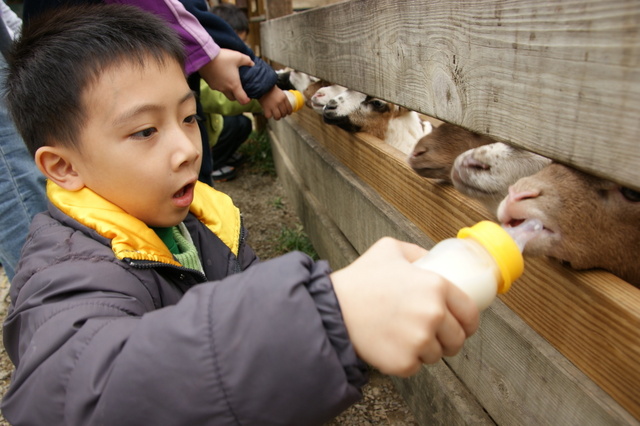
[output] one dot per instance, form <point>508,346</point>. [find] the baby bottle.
<point>483,260</point>
<point>296,99</point>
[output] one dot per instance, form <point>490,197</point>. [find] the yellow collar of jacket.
<point>130,237</point>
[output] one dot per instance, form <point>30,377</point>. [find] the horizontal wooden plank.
<point>590,317</point>
<point>507,364</point>
<point>308,4</point>
<point>518,377</point>
<point>560,79</point>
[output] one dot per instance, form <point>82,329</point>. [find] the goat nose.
<point>332,104</point>
<point>515,195</point>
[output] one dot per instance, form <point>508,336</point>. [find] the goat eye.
<point>630,194</point>
<point>378,104</point>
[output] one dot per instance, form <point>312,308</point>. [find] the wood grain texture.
<point>558,78</point>
<point>309,4</point>
<point>507,368</point>
<point>590,317</point>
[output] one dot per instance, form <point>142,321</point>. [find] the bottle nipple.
<point>524,232</point>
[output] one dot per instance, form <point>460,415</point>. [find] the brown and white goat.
<point>357,112</point>
<point>589,222</point>
<point>434,154</point>
<point>486,172</point>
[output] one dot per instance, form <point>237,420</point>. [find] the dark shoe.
<point>223,174</point>
<point>236,160</point>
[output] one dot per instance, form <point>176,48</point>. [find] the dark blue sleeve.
<point>256,80</point>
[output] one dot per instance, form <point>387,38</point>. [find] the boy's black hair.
<point>233,15</point>
<point>61,53</point>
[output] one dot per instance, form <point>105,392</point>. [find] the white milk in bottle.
<point>483,260</point>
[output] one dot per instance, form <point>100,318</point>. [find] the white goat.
<point>356,112</point>
<point>485,173</point>
<point>434,154</point>
<point>589,222</point>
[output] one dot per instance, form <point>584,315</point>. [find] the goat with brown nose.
<point>434,154</point>
<point>589,222</point>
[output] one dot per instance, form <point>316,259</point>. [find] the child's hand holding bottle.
<point>399,316</point>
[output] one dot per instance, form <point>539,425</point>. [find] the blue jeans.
<point>22,188</point>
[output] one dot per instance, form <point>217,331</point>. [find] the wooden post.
<point>278,8</point>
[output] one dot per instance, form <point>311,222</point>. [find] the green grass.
<point>278,203</point>
<point>257,148</point>
<point>291,239</point>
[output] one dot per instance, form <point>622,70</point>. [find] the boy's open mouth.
<point>184,197</point>
<point>184,190</point>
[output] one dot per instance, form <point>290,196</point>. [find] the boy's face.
<point>141,147</point>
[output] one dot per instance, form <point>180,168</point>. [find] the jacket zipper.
<point>238,267</point>
<point>149,264</point>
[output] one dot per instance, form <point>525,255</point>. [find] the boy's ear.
<point>55,163</point>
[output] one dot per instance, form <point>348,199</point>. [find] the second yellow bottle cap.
<point>299,100</point>
<point>501,246</point>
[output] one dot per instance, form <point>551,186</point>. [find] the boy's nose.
<point>187,148</point>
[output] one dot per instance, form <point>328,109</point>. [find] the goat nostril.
<point>472,163</point>
<point>331,105</point>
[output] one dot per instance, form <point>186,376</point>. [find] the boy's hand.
<point>275,104</point>
<point>400,316</point>
<point>221,73</point>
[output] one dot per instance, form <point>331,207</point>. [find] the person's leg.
<point>235,131</point>
<point>22,189</point>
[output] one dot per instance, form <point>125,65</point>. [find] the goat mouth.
<point>514,222</point>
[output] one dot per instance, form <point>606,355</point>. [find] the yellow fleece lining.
<point>132,238</point>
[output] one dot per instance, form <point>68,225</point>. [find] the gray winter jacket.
<point>101,335</point>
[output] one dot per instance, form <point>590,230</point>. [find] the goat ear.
<point>55,163</point>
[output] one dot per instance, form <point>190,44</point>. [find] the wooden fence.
<point>560,78</point>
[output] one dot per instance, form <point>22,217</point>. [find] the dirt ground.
<point>266,213</point>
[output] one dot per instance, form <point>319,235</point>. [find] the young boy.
<point>137,300</point>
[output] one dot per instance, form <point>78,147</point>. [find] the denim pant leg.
<point>22,190</point>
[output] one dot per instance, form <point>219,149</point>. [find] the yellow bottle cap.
<point>299,97</point>
<point>502,248</point>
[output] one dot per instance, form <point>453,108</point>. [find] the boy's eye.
<point>146,133</point>
<point>195,118</point>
